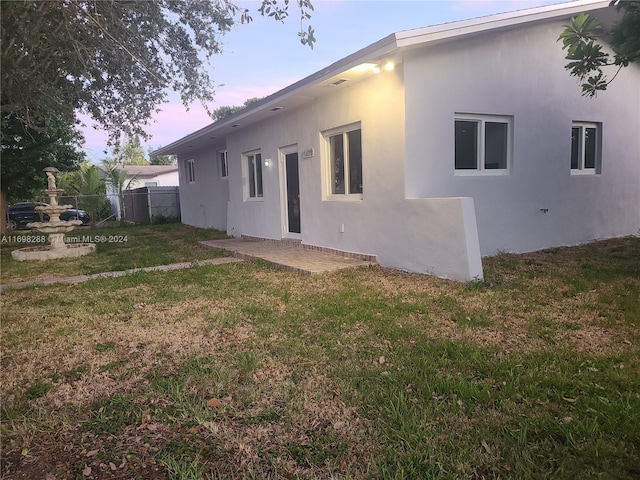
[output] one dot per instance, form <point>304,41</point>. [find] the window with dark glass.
<point>191,171</point>
<point>345,162</point>
<point>254,169</point>
<point>482,143</point>
<point>585,149</point>
<point>224,166</point>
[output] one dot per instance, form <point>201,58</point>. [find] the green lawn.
<point>245,371</point>
<point>118,248</point>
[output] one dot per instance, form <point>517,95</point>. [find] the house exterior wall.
<point>377,105</point>
<point>203,203</point>
<point>169,179</point>
<point>538,204</point>
<point>428,236</point>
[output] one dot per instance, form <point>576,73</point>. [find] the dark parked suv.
<point>20,214</point>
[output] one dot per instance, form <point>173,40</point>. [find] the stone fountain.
<point>55,227</point>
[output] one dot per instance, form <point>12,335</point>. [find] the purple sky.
<point>265,56</point>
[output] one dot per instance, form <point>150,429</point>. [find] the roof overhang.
<point>389,48</point>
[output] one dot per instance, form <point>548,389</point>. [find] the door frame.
<point>284,209</point>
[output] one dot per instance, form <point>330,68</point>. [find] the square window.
<point>191,171</point>
<point>344,161</point>
<point>254,174</point>
<point>482,144</point>
<point>224,166</point>
<point>585,147</point>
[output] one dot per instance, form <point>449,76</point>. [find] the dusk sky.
<point>265,56</point>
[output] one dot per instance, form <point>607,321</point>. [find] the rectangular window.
<point>345,161</point>
<point>585,147</point>
<point>254,174</point>
<point>150,184</point>
<point>191,171</point>
<point>224,166</point>
<point>482,144</point>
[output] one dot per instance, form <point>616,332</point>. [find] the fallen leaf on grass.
<point>215,402</point>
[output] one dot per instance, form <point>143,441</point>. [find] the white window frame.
<point>251,167</point>
<point>190,171</point>
<point>482,120</point>
<point>328,163</point>
<point>223,164</point>
<point>581,168</point>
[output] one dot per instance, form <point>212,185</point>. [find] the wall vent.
<point>338,82</point>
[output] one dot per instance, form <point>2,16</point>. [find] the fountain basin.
<point>46,252</point>
<point>61,226</point>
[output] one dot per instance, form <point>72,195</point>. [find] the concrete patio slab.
<point>288,255</point>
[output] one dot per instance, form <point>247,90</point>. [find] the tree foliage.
<point>112,60</point>
<point>87,182</point>
<point>116,60</point>
<point>226,110</point>
<point>587,59</point>
<point>130,152</point>
<point>27,151</point>
<point>162,159</point>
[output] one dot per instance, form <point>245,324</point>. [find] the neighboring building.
<point>142,176</point>
<point>151,176</point>
<point>475,140</point>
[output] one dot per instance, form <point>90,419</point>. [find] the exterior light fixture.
<point>363,67</point>
<point>386,66</point>
<point>267,162</point>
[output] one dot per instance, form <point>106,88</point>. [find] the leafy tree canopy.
<point>226,110</point>
<point>26,151</point>
<point>162,159</point>
<point>116,60</point>
<point>88,183</point>
<point>587,59</point>
<point>130,152</point>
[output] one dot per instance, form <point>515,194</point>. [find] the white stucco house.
<point>151,176</point>
<point>142,176</point>
<point>429,149</point>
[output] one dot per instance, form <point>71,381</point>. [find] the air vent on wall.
<point>338,82</point>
